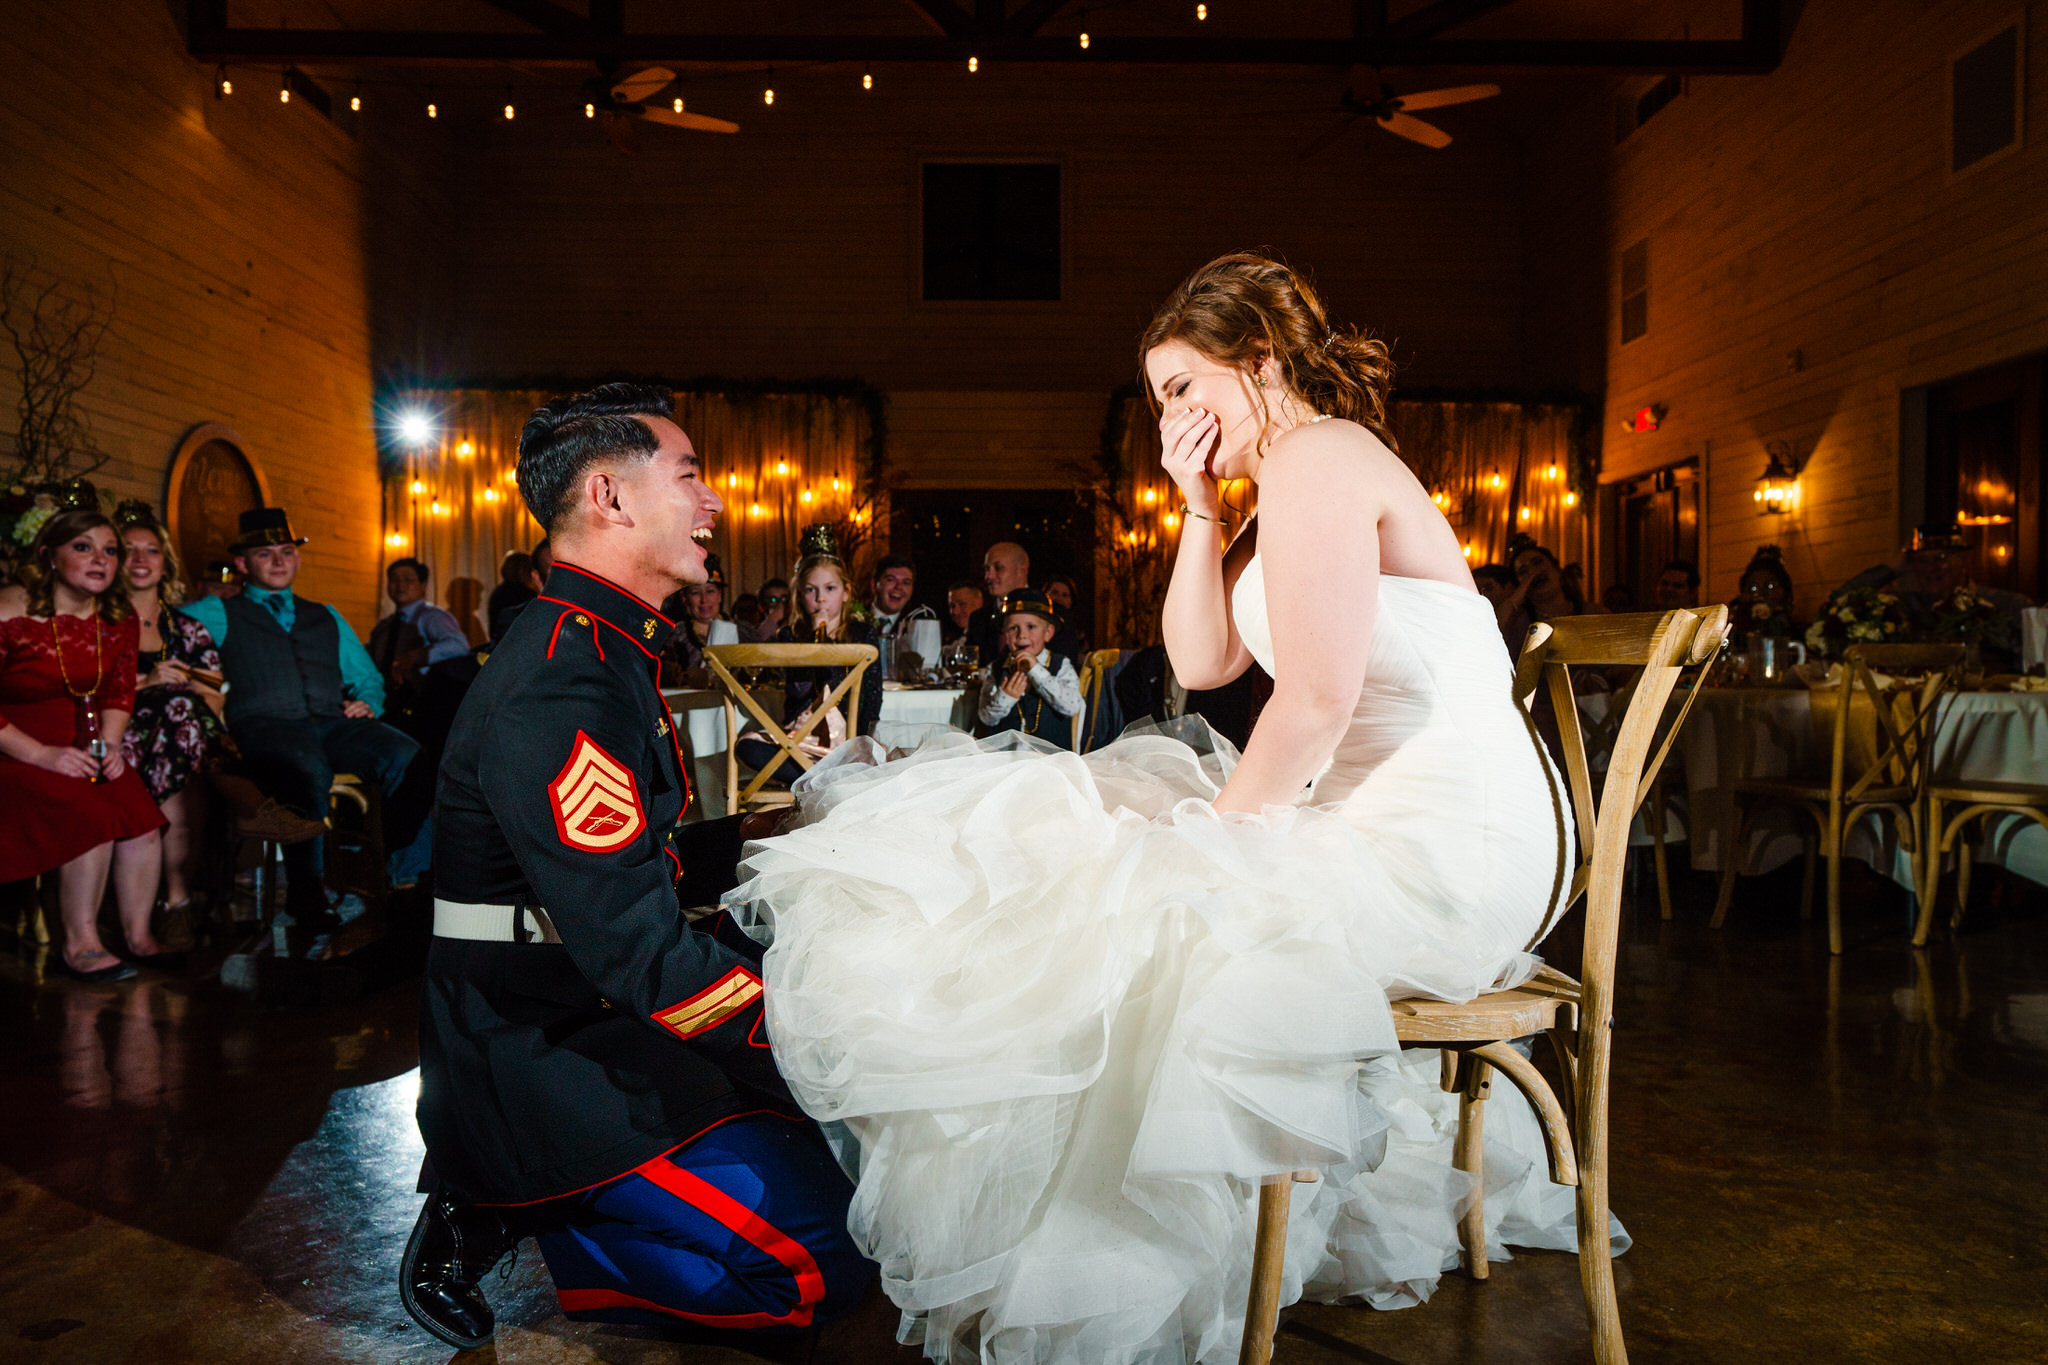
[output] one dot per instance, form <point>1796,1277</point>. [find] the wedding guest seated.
<point>822,598</point>
<point>416,636</point>
<point>746,612</point>
<point>773,603</point>
<point>1495,582</point>
<point>67,685</point>
<point>696,607</point>
<point>175,740</point>
<point>1763,598</point>
<point>303,701</point>
<point>963,600</point>
<point>1678,585</point>
<point>1062,592</point>
<point>512,593</point>
<point>1036,689</point>
<point>1005,569</point>
<point>1541,592</point>
<point>889,592</point>
<point>1619,597</point>
<point>1927,579</point>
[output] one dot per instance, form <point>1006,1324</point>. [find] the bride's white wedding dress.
<point>1072,1015</point>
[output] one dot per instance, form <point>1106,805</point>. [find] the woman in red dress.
<point>67,652</point>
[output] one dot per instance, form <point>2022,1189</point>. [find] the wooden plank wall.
<point>1811,212</point>
<point>790,250</point>
<point>231,232</point>
<point>951,439</point>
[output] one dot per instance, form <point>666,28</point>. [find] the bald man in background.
<point>1005,569</point>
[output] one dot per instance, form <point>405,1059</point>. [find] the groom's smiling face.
<point>669,502</point>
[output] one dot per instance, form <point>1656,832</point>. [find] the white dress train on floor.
<point>1072,1015</point>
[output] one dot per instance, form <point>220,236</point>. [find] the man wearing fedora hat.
<point>303,699</point>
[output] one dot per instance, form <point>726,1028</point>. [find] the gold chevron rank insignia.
<point>713,1005</point>
<point>595,800</point>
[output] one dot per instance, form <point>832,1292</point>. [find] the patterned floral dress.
<point>50,818</point>
<point>175,735</point>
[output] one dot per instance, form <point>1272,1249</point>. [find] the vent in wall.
<point>1635,291</point>
<point>1985,97</point>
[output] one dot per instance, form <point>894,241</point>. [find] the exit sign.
<point>1646,419</point>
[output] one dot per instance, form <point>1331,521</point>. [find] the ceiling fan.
<point>1393,113</point>
<point>634,96</point>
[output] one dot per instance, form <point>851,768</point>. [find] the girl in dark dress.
<point>175,735</point>
<point>67,685</point>
<point>822,597</point>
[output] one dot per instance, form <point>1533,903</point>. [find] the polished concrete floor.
<point>1819,1161</point>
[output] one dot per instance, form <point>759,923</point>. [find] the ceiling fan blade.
<point>657,114</point>
<point>621,132</point>
<point>641,84</point>
<point>1450,94</point>
<point>1415,130</point>
<point>1324,142</point>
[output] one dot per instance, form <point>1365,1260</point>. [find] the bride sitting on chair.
<point>1076,1007</point>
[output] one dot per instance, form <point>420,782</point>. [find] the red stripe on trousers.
<point>707,1198</point>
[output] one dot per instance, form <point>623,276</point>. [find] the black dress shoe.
<point>453,1246</point>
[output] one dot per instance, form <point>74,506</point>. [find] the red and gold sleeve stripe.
<point>714,1005</point>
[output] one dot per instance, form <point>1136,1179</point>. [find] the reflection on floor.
<point>1820,1160</point>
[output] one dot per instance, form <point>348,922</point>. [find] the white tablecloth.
<point>908,715</point>
<point>1768,732</point>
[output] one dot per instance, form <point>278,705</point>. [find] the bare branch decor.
<point>56,346</point>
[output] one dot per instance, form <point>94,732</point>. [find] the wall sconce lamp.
<point>1777,491</point>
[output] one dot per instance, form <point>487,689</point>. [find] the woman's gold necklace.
<point>99,660</point>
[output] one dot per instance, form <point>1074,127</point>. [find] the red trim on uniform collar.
<point>600,578</point>
<point>594,614</point>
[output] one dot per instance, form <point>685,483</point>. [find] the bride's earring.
<point>1260,380</point>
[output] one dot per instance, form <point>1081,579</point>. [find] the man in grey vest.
<point>303,699</point>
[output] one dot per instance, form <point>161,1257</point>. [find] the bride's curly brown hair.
<point>1240,308</point>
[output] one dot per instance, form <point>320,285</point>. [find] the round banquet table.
<point>1769,732</point>
<point>908,715</point>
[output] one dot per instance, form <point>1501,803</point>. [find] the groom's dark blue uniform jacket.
<point>547,1068</point>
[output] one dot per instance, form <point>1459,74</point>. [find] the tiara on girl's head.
<point>817,541</point>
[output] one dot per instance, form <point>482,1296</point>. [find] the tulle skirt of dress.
<point>1072,1017</point>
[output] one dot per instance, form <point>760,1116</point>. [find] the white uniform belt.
<point>494,923</point>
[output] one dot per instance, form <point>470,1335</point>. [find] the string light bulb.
<point>1084,42</point>
<point>1525,514</point>
<point>284,88</point>
<point>433,109</point>
<point>1571,500</point>
<point>437,509</point>
<point>782,466</point>
<point>755,510</point>
<point>509,111</point>
<point>835,485</point>
<point>1151,496</point>
<point>807,495</point>
<point>466,449</point>
<point>418,488</point>
<point>867,80</point>
<point>1202,12</point>
<point>1469,549</point>
<point>490,494</point>
<point>768,95</point>
<point>222,86</point>
<point>394,540</point>
<point>677,104</point>
<point>732,481</point>
<point>355,101</point>
<point>1172,520</point>
<point>589,109</point>
<point>973,65</point>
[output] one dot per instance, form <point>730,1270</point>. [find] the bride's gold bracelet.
<point>1187,511</point>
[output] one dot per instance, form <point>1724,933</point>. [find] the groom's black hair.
<point>563,439</point>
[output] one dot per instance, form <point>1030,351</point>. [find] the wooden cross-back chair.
<point>1476,1037</point>
<point>721,660</point>
<point>1892,780</point>
<point>1599,737</point>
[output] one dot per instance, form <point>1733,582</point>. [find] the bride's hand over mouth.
<point>1187,439</point>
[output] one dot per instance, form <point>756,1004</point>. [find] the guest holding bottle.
<point>67,687</point>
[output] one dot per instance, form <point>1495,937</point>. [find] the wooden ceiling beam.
<point>547,17</point>
<point>945,16</point>
<point>1033,16</point>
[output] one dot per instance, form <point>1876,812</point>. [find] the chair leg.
<point>1469,1155</point>
<point>1930,872</point>
<point>1596,1266</point>
<point>1269,1259</point>
<point>1962,880</point>
<point>1657,847</point>
<point>1832,846</point>
<point>1731,862</point>
<point>1809,852</point>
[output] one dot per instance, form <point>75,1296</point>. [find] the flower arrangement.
<point>1761,618</point>
<point>1967,615</point>
<point>1856,616</point>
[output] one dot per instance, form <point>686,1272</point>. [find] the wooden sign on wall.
<point>213,481</point>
